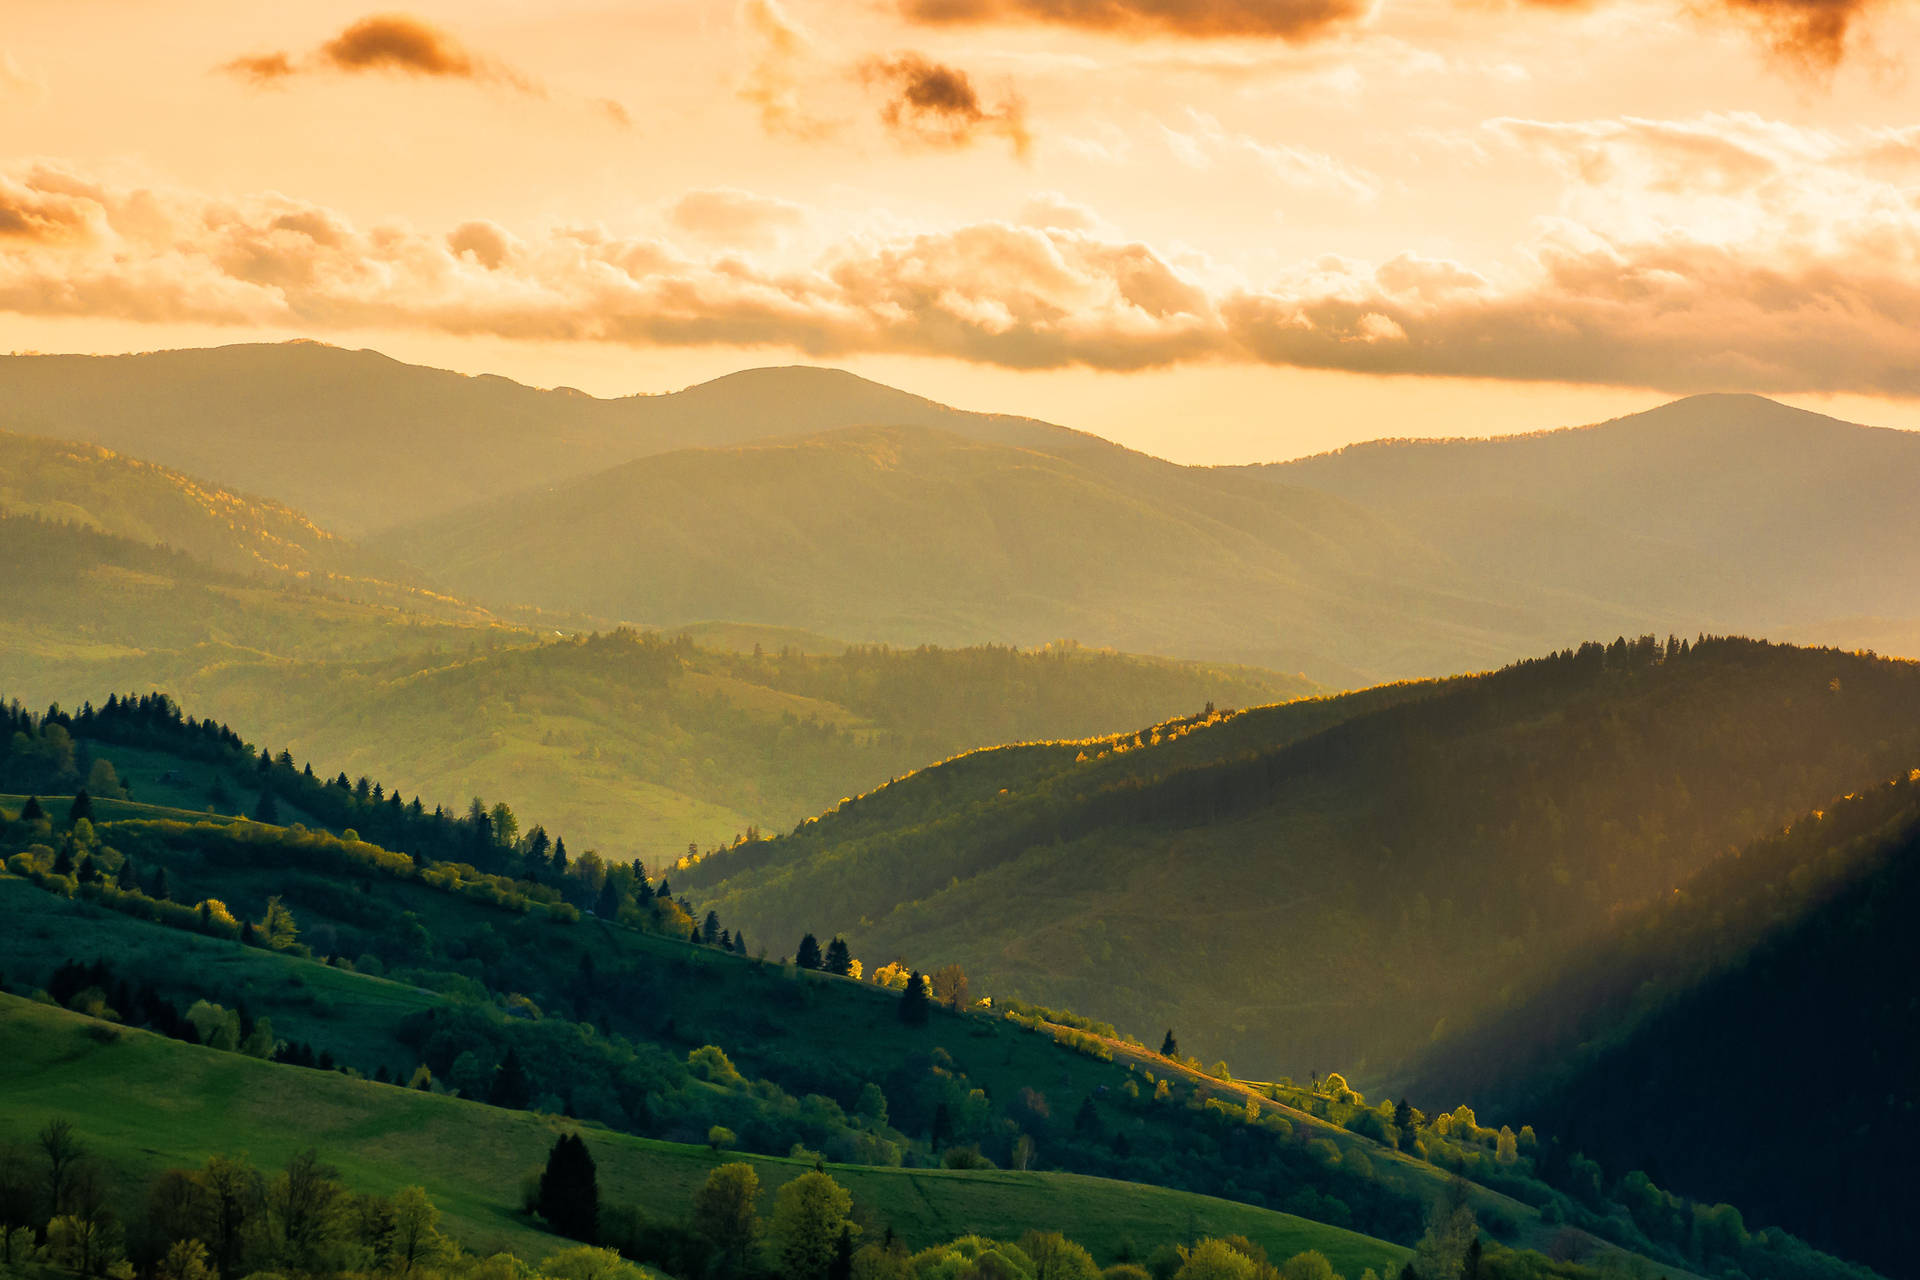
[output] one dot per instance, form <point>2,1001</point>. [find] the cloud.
<point>1773,308</point>
<point>1205,140</point>
<point>1291,20</point>
<point>731,217</point>
<point>936,105</point>
<point>385,42</point>
<point>780,51</point>
<point>1813,33</point>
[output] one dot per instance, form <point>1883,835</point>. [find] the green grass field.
<point>145,1103</point>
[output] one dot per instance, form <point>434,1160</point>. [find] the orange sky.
<point>1219,230</point>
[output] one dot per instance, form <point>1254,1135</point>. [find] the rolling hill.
<point>905,535</point>
<point>1331,882</point>
<point>143,911</point>
<point>1753,515</point>
<point>632,743</point>
<point>363,442</point>
<point>1392,559</point>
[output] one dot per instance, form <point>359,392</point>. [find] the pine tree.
<point>710,928</point>
<point>82,807</point>
<point>839,959</point>
<point>1403,1118</point>
<point>267,811</point>
<point>608,906</point>
<point>1169,1047</point>
<point>569,1190</point>
<point>31,810</point>
<point>807,955</point>
<point>914,1004</point>
<point>125,877</point>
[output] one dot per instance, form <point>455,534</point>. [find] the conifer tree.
<point>82,807</point>
<point>807,955</point>
<point>569,1190</point>
<point>31,810</point>
<point>839,959</point>
<point>914,1004</point>
<point>1169,1047</point>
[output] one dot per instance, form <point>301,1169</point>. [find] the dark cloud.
<point>1269,19</point>
<point>1815,32</point>
<point>394,42</point>
<point>389,42</point>
<point>931,103</point>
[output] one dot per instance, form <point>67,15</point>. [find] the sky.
<point>1217,230</point>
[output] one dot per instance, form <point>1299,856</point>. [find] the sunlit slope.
<point>1783,970</point>
<point>88,611</point>
<point>905,535</point>
<point>1336,894</point>
<point>1732,508</point>
<point>364,442</point>
<point>98,489</point>
<point>145,1103</point>
<point>640,747</point>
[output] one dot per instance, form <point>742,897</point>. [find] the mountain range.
<point>812,499</point>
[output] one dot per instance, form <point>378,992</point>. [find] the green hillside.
<point>88,609</point>
<point>321,950</point>
<point>1783,970</point>
<point>1351,876</point>
<point>63,482</point>
<point>146,1104</point>
<point>909,534</point>
<point>629,742</point>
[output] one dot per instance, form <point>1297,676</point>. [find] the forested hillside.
<point>1782,970</point>
<point>1351,876</point>
<point>63,482</point>
<point>632,742</point>
<point>458,957</point>
<point>904,535</point>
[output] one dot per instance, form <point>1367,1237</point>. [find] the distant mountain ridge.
<point>812,499</point>
<point>362,441</point>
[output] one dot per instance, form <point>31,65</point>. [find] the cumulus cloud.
<point>731,217</point>
<point>1293,20</point>
<point>1676,309</point>
<point>388,42</point>
<point>933,104</point>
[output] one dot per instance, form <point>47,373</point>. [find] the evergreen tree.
<point>82,807</point>
<point>31,810</point>
<point>710,928</point>
<point>608,905</point>
<point>160,889</point>
<point>841,1268</point>
<point>740,943</point>
<point>63,860</point>
<point>914,1004</point>
<point>807,955</point>
<point>569,1190</point>
<point>511,1087</point>
<point>1169,1047</point>
<point>1403,1119</point>
<point>125,877</point>
<point>267,811</point>
<point>839,959</point>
